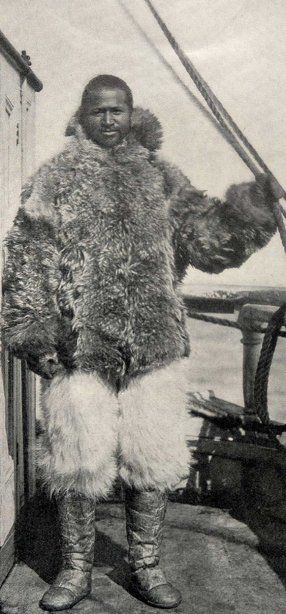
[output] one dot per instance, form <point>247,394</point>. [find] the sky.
<point>238,46</point>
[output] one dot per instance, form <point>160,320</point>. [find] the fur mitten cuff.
<point>252,202</point>
<point>46,365</point>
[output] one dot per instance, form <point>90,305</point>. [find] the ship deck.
<point>221,564</point>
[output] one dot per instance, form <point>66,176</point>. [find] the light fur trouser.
<point>92,435</point>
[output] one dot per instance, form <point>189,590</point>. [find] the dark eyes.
<point>101,112</point>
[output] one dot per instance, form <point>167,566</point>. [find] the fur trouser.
<point>93,435</point>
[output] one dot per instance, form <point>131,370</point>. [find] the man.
<point>105,233</point>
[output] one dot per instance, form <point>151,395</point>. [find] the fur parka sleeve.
<point>29,315</point>
<point>211,234</point>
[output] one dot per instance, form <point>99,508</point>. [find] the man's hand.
<point>46,366</point>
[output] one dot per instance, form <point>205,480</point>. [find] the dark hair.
<point>108,81</point>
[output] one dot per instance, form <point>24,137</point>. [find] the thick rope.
<point>228,323</point>
<point>196,101</point>
<point>227,134</point>
<point>272,332</point>
<point>220,113</point>
<point>215,117</point>
<point>264,364</point>
<point>204,90</point>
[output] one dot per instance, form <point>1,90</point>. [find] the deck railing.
<point>221,435</point>
<point>251,320</point>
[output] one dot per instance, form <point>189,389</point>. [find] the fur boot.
<point>73,583</point>
<point>145,513</point>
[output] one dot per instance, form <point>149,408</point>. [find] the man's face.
<point>106,116</point>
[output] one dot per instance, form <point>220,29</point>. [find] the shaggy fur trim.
<point>38,200</point>
<point>78,448</point>
<point>145,128</point>
<point>152,429</point>
<point>73,124</point>
<point>211,234</point>
<point>30,317</point>
<point>252,202</point>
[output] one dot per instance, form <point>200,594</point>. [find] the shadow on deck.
<point>223,560</point>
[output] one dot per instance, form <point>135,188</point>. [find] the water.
<point>207,288</point>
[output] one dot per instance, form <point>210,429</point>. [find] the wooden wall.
<point>17,394</point>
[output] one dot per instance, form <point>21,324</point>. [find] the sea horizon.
<point>193,288</point>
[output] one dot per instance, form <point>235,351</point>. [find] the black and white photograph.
<point>143,306</point>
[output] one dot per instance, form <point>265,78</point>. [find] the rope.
<point>228,135</point>
<point>196,101</point>
<point>213,320</point>
<point>216,119</point>
<point>204,90</point>
<point>220,113</point>
<point>227,323</point>
<point>260,404</point>
<point>264,364</point>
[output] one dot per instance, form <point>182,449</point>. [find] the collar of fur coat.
<point>146,131</point>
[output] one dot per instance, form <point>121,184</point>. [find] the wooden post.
<point>17,422</point>
<point>252,317</point>
<point>252,343</point>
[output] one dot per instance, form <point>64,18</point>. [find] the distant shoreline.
<point>188,286</point>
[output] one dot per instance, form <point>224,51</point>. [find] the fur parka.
<point>100,244</point>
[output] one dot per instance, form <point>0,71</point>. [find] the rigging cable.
<point>208,114</point>
<point>223,117</point>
